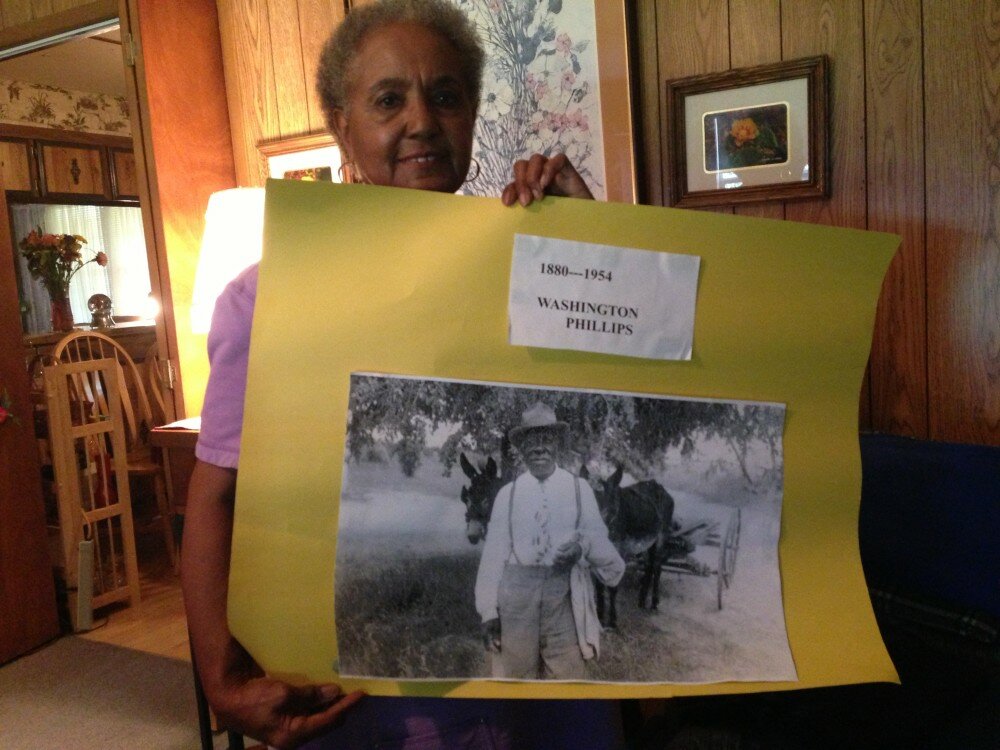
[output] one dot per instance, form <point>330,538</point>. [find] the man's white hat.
<point>539,418</point>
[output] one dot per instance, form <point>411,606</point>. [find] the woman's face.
<point>408,117</point>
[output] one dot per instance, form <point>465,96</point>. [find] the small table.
<point>177,441</point>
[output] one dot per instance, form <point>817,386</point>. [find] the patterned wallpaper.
<point>43,106</point>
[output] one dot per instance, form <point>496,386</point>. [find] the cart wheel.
<point>727,553</point>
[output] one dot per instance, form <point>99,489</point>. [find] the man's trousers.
<point>538,637</point>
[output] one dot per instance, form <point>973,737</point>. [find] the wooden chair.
<point>155,387</point>
<point>36,375</point>
<point>89,462</point>
<point>142,460</point>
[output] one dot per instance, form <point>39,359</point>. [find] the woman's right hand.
<point>275,712</point>
<point>538,176</point>
<point>243,697</point>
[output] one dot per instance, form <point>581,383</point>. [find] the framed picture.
<point>308,157</point>
<point>615,81</point>
<point>559,83</point>
<point>753,134</point>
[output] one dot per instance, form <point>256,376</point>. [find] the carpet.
<point>76,693</point>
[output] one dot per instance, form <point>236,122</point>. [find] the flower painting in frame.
<point>751,137</point>
<point>556,81</point>
<point>746,135</point>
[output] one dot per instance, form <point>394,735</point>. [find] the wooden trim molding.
<point>73,137</point>
<point>294,145</point>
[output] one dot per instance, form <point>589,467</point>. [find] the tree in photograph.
<point>632,431</point>
<point>742,427</point>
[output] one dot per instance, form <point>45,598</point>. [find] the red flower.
<point>102,258</point>
<point>5,413</point>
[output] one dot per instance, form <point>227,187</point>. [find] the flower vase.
<point>62,314</point>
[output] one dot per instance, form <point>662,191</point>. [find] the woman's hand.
<point>540,176</point>
<point>280,714</point>
<point>243,698</point>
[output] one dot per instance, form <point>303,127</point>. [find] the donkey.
<point>479,496</point>
<point>484,484</point>
<point>639,519</point>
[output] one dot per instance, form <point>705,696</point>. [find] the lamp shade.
<point>234,226</point>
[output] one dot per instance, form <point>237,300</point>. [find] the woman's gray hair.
<point>345,41</point>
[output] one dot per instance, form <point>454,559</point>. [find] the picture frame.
<point>748,135</point>
<point>569,91</point>
<point>313,157</point>
<point>616,79</point>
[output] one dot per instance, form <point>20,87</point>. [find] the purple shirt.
<point>390,723</point>
<point>228,353</point>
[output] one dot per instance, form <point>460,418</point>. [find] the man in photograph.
<point>545,538</point>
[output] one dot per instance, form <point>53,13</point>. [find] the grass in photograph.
<point>410,618</point>
<point>415,619</point>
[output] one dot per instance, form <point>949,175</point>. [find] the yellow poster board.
<point>367,279</point>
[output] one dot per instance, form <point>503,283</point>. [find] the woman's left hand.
<point>539,176</point>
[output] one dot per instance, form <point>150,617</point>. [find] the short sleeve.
<point>228,353</point>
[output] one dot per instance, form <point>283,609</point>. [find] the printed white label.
<point>600,298</point>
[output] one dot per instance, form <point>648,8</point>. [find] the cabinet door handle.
<point>74,169</point>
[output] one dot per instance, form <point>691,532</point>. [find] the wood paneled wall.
<point>912,152</point>
<point>962,126</point>
<point>185,131</point>
<point>270,52</point>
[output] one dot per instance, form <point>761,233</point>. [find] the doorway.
<point>67,120</point>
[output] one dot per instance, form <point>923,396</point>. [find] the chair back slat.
<point>81,346</point>
<point>156,387</point>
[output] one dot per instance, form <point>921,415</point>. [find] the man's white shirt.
<point>552,503</point>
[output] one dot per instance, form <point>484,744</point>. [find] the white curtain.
<point>117,230</point>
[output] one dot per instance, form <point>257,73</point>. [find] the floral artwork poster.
<point>541,91</point>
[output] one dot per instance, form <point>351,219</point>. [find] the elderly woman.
<point>400,84</point>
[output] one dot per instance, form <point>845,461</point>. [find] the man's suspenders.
<point>510,514</point>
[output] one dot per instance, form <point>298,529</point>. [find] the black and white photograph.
<point>498,531</point>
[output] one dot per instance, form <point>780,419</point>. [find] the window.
<point>117,230</point>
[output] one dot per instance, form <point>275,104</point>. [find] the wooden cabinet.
<point>16,164</point>
<point>124,178</point>
<point>73,170</point>
<point>37,163</point>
